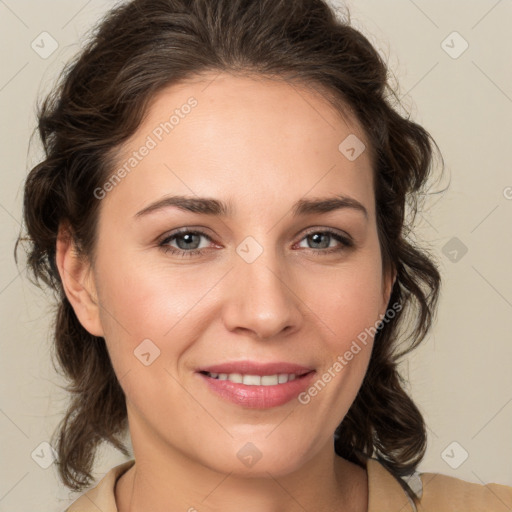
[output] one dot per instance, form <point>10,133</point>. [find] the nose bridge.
<point>261,300</point>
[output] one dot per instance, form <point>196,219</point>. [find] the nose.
<point>261,299</point>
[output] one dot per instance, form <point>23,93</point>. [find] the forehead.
<point>216,132</point>
<point>228,96</point>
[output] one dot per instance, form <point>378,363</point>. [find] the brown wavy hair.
<point>138,49</point>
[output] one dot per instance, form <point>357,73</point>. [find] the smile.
<point>257,391</point>
<point>254,380</point>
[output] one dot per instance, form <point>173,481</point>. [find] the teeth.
<point>251,380</point>
<point>255,380</point>
<point>269,380</point>
<point>235,377</point>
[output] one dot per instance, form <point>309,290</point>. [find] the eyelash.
<point>345,242</point>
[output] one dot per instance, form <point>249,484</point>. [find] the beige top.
<point>437,492</point>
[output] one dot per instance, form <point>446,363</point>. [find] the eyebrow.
<point>210,206</point>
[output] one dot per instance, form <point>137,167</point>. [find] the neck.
<point>163,482</point>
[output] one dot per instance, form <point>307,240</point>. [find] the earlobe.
<point>389,283</point>
<point>392,285</point>
<point>76,276</point>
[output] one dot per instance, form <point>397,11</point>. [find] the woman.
<point>222,213</point>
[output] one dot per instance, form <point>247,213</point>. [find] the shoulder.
<point>435,492</point>
<point>442,493</point>
<point>102,496</point>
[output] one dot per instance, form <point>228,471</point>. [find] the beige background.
<point>461,376</point>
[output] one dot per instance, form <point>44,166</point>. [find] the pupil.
<point>187,238</point>
<point>317,235</point>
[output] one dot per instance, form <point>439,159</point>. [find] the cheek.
<point>146,300</point>
<point>148,325</point>
<point>349,300</point>
<point>348,308</point>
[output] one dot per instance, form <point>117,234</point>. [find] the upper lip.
<point>255,368</point>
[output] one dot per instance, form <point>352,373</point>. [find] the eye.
<point>321,241</point>
<point>187,242</point>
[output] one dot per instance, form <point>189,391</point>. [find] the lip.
<point>255,368</point>
<point>258,397</point>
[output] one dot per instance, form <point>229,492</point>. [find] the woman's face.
<point>266,281</point>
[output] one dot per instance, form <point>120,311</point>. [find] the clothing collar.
<point>385,494</point>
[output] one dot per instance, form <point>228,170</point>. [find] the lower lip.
<point>259,397</point>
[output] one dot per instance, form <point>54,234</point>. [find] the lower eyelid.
<point>340,237</point>
<point>344,240</point>
<point>171,238</point>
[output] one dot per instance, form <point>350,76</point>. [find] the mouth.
<point>256,380</point>
<point>256,385</point>
<point>255,368</point>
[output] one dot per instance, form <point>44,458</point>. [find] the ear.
<point>78,283</point>
<point>388,282</point>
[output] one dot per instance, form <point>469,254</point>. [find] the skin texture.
<point>262,145</point>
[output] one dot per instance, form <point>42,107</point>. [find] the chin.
<point>256,459</point>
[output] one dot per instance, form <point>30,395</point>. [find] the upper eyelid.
<point>308,231</point>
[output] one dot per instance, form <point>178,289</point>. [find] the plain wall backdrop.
<point>453,64</point>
